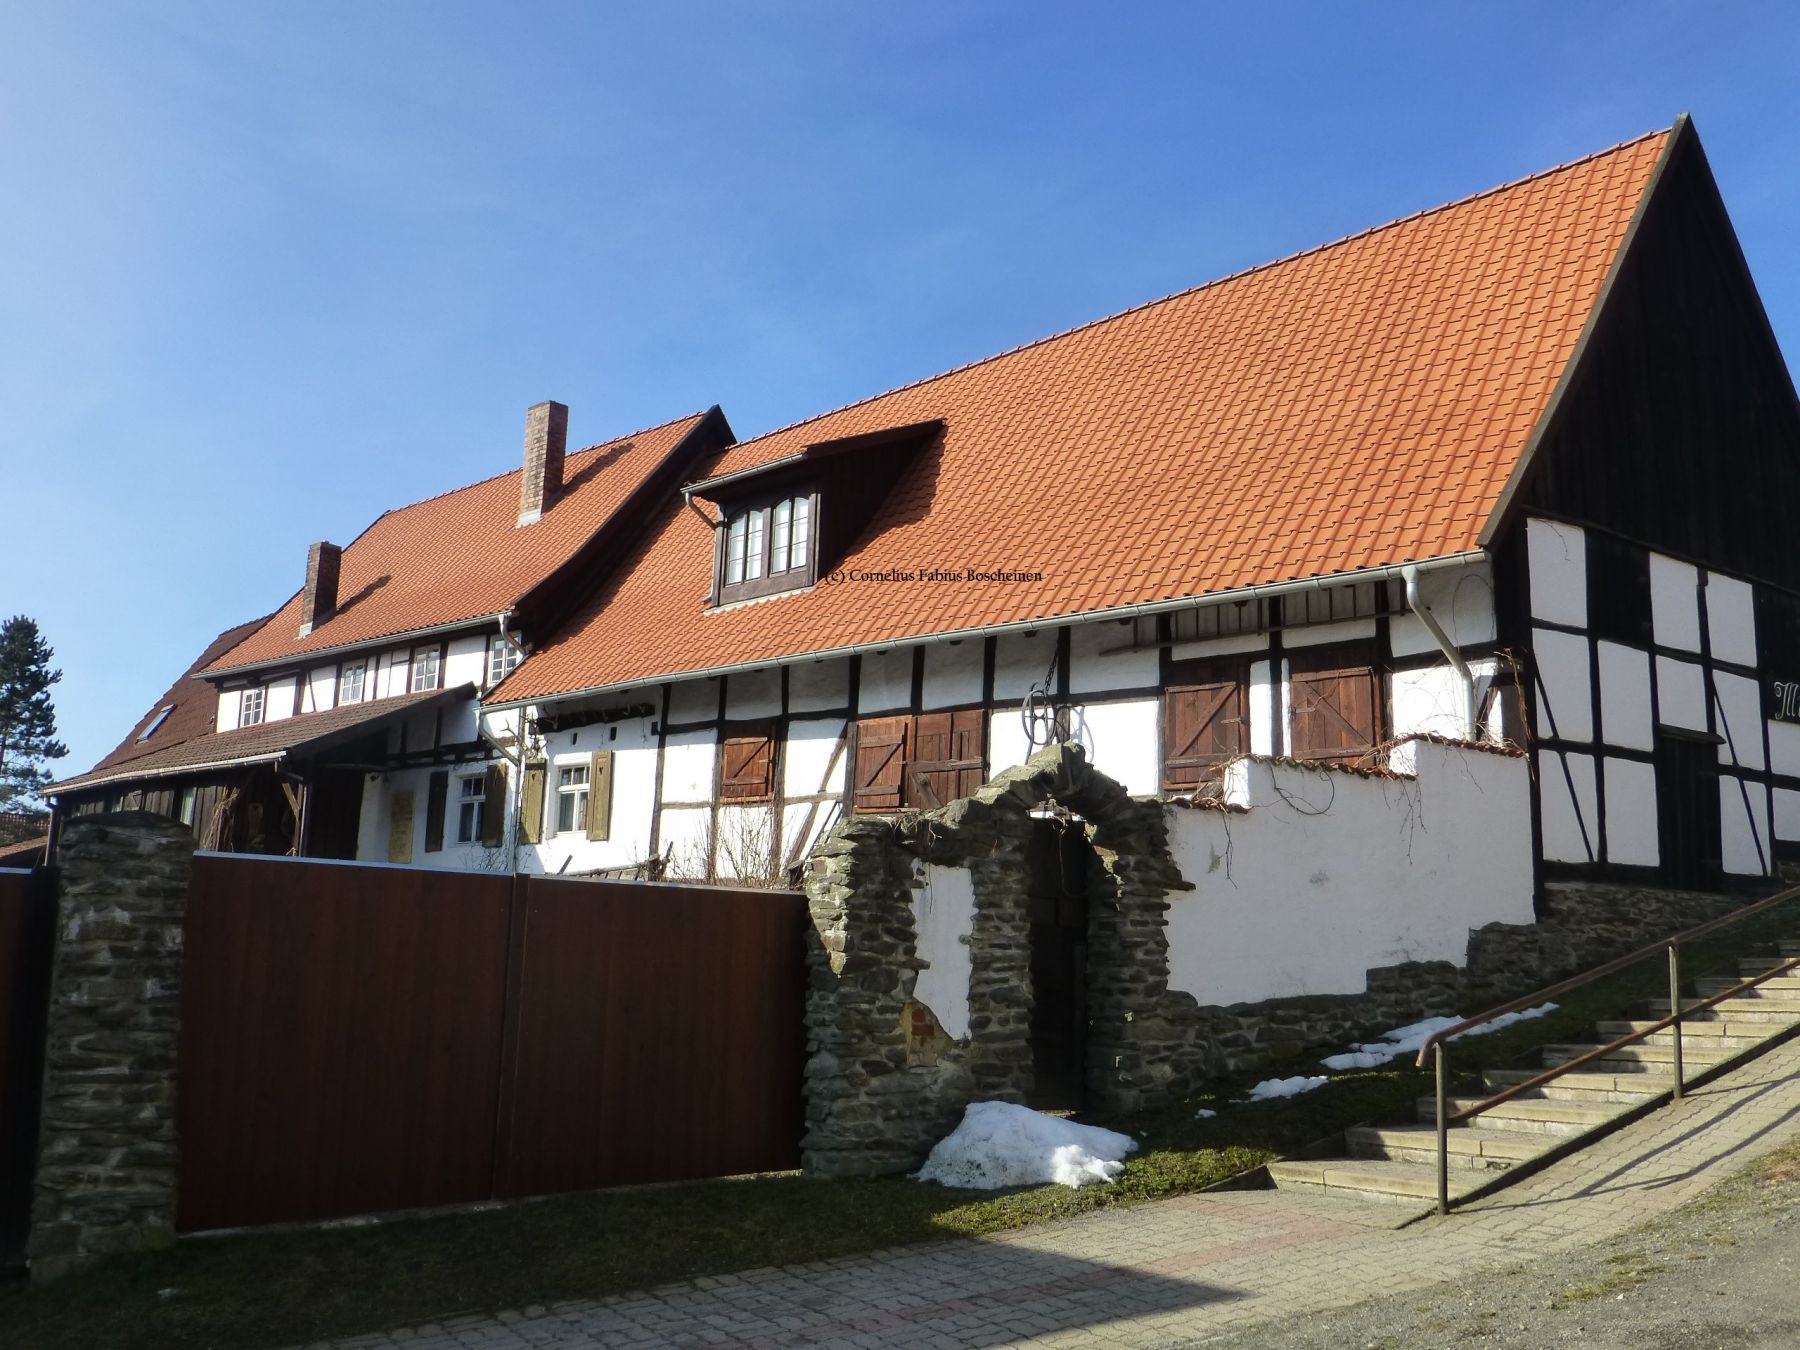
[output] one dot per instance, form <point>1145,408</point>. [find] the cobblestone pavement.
<point>1176,1271</point>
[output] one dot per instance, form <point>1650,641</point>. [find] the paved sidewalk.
<point>1176,1272</point>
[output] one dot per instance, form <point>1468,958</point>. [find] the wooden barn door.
<point>1334,705</point>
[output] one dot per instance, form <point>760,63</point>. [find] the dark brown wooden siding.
<point>1679,428</point>
<point>360,1039</point>
<point>341,1031</point>
<point>27,921</point>
<point>660,1035</point>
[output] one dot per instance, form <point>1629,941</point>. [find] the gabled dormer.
<point>779,526</point>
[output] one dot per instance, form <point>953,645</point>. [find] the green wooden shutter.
<point>599,813</point>
<point>531,811</point>
<point>493,814</point>
<point>436,801</point>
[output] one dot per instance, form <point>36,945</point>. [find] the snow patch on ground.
<point>999,1144</point>
<point>1271,1088</point>
<point>1407,1040</point>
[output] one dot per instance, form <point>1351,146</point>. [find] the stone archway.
<point>885,1078</point>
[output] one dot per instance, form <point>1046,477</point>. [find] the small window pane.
<point>250,710</point>
<point>753,554</point>
<point>425,670</point>
<point>734,551</point>
<point>802,529</point>
<point>780,529</point>
<point>350,684</point>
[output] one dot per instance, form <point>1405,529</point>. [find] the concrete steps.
<point>1397,1163</point>
<point>1394,1183</point>
<point>1580,1085</point>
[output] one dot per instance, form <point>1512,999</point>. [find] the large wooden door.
<point>1687,810</point>
<point>1059,859</point>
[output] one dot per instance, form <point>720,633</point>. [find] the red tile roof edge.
<point>1216,281</point>
<point>215,669</point>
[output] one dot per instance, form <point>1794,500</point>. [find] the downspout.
<point>1414,602</point>
<point>515,781</point>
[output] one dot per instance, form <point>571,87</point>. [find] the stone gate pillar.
<point>106,1141</point>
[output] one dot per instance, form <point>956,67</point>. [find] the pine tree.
<point>27,719</point>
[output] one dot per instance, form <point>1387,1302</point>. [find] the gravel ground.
<point>1721,1272</point>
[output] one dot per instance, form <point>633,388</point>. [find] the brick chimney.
<point>546,432</point>
<point>321,597</point>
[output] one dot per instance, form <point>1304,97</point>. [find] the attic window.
<point>767,547</point>
<point>162,715</point>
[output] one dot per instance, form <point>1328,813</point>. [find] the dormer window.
<point>767,548</point>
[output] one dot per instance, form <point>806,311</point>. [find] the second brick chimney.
<point>321,596</point>
<point>546,433</point>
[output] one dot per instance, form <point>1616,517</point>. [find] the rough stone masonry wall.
<point>884,1083</point>
<point>881,1086</point>
<point>107,1152</point>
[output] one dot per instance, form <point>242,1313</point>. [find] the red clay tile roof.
<point>460,555</point>
<point>1357,405</point>
<point>267,740</point>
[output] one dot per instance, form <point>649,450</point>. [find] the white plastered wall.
<point>886,681</point>
<point>1557,557</point>
<point>1329,874</point>
<point>632,743</point>
<point>1568,805</point>
<point>1565,685</point>
<point>953,674</point>
<point>1631,830</point>
<point>943,906</point>
<point>1121,741</point>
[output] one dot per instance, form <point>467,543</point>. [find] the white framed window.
<point>734,550</point>
<point>471,809</point>
<point>503,659</point>
<point>350,682</point>
<point>768,548</point>
<point>250,707</point>
<point>425,669</point>
<point>753,550</point>
<point>185,812</point>
<point>572,799</point>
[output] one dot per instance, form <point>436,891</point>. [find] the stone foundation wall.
<point>884,1082</point>
<point>107,1151</point>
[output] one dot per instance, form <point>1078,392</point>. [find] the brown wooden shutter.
<point>747,764</point>
<point>493,812</point>
<point>1204,728</point>
<point>944,761</point>
<point>531,809</point>
<point>1334,705</point>
<point>436,800</point>
<point>880,763</point>
<point>599,810</point>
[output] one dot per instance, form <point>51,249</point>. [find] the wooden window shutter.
<point>599,810</point>
<point>1204,728</point>
<point>747,765</point>
<point>944,761</point>
<point>400,826</point>
<point>436,798</point>
<point>493,813</point>
<point>531,809</point>
<point>880,763</point>
<point>1334,707</point>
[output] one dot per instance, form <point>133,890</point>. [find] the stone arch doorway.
<point>1062,870</point>
<point>922,997</point>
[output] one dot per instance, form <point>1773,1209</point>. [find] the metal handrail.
<point>1436,1042</point>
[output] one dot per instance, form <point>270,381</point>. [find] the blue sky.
<point>266,271</point>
